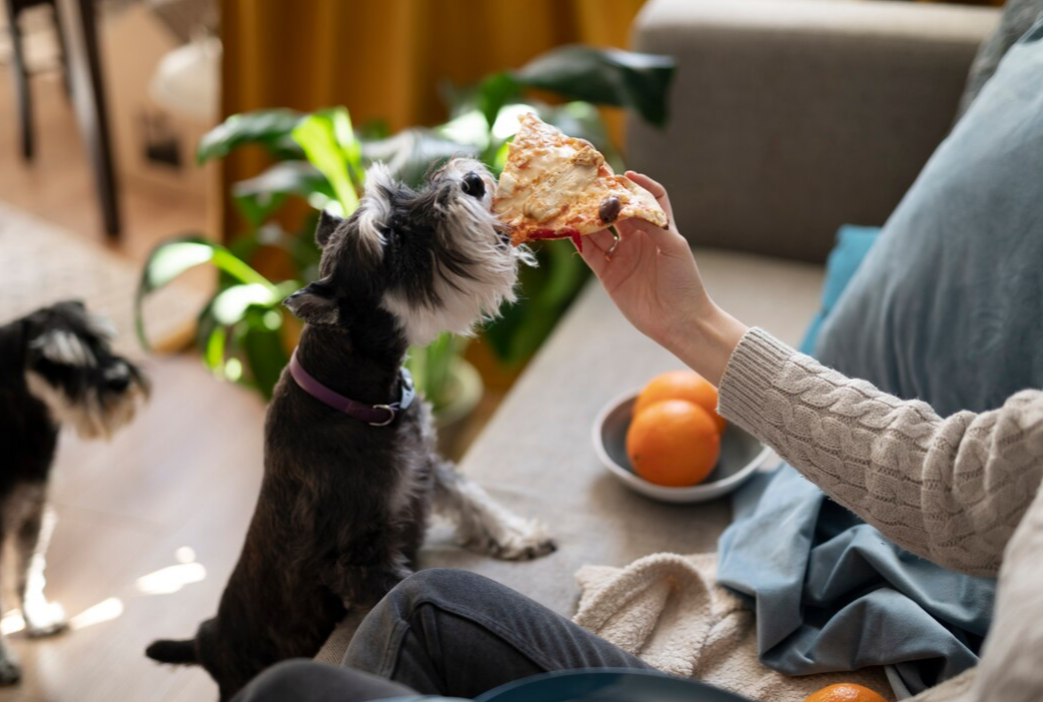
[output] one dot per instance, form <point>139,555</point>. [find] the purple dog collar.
<point>374,415</point>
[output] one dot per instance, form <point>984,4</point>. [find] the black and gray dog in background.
<point>57,368</point>
<point>344,503</point>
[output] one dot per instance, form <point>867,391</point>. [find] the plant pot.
<point>464,392</point>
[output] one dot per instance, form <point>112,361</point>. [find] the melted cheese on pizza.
<point>557,186</point>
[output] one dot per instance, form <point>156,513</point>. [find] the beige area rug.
<point>41,263</point>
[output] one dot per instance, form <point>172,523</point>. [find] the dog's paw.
<point>519,540</point>
<point>45,619</point>
<point>10,673</point>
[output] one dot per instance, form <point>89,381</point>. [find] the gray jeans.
<point>442,632</point>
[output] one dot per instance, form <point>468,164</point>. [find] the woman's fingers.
<point>667,241</point>
<point>603,240</point>
<point>654,187</point>
<point>595,258</point>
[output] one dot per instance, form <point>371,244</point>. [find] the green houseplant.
<point>243,333</point>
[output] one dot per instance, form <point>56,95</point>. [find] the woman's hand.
<point>652,278</point>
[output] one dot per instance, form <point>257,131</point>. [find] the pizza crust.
<point>555,186</point>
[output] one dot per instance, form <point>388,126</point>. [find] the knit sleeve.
<point>951,490</point>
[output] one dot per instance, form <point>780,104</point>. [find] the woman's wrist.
<point>705,341</point>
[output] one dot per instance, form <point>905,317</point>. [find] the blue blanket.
<point>832,594</point>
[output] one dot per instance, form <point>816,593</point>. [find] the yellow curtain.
<point>386,59</point>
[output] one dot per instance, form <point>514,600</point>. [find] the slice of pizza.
<point>554,186</point>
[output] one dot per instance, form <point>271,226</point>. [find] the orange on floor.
<point>845,692</point>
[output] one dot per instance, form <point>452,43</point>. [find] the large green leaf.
<point>547,290</point>
<point>230,305</point>
<point>411,154</point>
<point>264,351</point>
<point>494,92</point>
<point>258,197</point>
<point>468,128</point>
<point>604,76</point>
<point>432,367</point>
<point>237,329</point>
<point>172,258</point>
<point>330,145</point>
<point>268,128</point>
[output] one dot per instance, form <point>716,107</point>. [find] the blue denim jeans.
<point>442,632</point>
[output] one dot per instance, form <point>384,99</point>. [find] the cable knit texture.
<point>961,491</point>
<point>951,490</point>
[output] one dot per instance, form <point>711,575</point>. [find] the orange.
<point>681,385</point>
<point>845,692</point>
<point>673,443</point>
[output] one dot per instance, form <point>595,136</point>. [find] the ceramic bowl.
<point>741,457</point>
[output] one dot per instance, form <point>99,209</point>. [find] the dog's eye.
<point>473,185</point>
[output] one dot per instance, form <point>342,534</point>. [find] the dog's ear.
<point>314,303</point>
<point>375,209</point>
<point>327,224</point>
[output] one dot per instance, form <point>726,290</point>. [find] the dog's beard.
<point>475,272</point>
<point>95,414</point>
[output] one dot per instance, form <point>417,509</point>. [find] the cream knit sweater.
<point>961,491</point>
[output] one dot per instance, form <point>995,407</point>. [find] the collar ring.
<point>392,413</point>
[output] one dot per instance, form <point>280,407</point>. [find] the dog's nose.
<point>118,384</point>
<point>117,378</point>
<point>473,185</point>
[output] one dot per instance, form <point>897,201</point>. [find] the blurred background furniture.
<point>78,41</point>
<point>14,10</point>
<point>792,118</point>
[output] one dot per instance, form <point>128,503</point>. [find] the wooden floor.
<point>149,527</point>
<point>150,524</point>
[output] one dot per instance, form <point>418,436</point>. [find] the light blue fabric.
<point>832,594</point>
<point>948,305</point>
<point>853,243</point>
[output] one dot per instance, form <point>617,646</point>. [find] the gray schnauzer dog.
<point>350,464</point>
<point>56,367</point>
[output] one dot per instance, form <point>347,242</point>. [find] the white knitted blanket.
<point>666,610</point>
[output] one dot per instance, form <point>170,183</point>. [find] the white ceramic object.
<point>741,457</point>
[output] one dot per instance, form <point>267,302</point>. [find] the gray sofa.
<point>789,118</point>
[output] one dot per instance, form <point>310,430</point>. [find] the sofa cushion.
<point>853,244</point>
<point>948,304</point>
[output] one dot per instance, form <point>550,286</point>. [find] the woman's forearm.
<point>706,341</point>
<point>952,490</point>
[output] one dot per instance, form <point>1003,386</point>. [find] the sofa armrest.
<point>792,117</point>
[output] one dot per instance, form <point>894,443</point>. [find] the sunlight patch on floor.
<point>12,622</point>
<point>104,611</point>
<point>171,579</point>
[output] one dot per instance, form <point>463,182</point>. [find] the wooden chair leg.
<point>77,21</point>
<point>63,50</point>
<point>21,80</point>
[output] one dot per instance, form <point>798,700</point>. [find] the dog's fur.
<point>56,367</point>
<point>344,505</point>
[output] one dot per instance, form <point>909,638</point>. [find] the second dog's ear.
<point>327,224</point>
<point>314,304</point>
